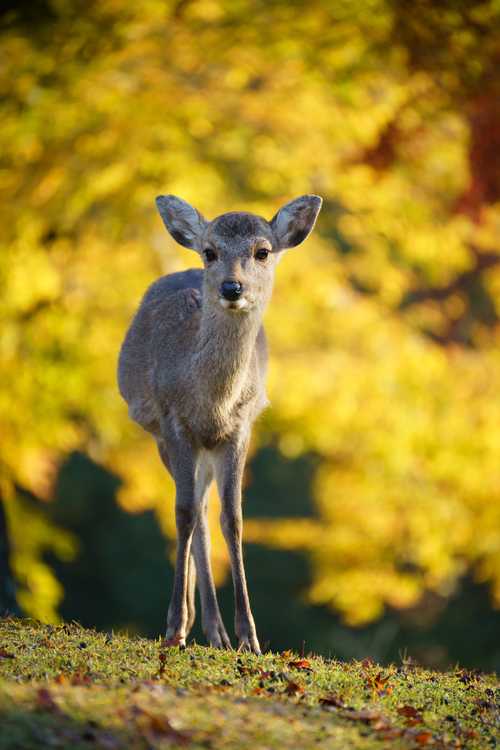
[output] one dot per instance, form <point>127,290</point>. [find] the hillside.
<point>66,686</point>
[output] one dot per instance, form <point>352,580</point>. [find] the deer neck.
<point>225,344</point>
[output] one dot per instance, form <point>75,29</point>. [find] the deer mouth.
<point>236,304</point>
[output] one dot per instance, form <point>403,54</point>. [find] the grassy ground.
<point>70,687</point>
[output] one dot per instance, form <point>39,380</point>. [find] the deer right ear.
<point>184,223</point>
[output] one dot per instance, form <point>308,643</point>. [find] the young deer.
<point>192,369</point>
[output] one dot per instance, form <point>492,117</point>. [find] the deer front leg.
<point>179,457</point>
<point>229,475</point>
<point>211,620</point>
<point>191,576</point>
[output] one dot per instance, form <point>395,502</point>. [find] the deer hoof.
<point>217,636</point>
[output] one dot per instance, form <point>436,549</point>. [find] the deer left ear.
<point>295,221</point>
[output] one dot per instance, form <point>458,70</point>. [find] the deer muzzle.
<point>231,290</point>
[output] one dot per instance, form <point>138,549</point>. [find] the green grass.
<point>70,687</point>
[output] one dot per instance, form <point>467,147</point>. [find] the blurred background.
<point>372,493</point>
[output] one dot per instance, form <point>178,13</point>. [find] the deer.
<point>193,368</point>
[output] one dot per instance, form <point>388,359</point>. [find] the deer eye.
<point>210,255</point>
<point>262,254</point>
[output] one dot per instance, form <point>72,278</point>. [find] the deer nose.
<point>231,290</point>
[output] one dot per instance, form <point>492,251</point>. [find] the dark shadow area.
<point>122,579</point>
<point>49,728</point>
<point>278,487</point>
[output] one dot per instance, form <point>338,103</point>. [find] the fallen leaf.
<point>5,655</point>
<point>378,722</point>
<point>333,701</point>
<point>293,689</point>
<point>365,715</point>
<point>380,681</point>
<point>162,726</point>
<point>163,660</point>
<point>407,711</point>
<point>467,676</point>
<point>172,642</point>
<point>482,705</point>
<point>302,664</point>
<point>423,737</point>
<point>45,700</point>
<point>468,733</point>
<point>80,678</point>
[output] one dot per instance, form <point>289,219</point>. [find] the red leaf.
<point>424,737</point>
<point>163,660</point>
<point>334,701</point>
<point>45,701</point>
<point>80,678</point>
<point>469,733</point>
<point>408,711</point>
<point>172,642</point>
<point>380,681</point>
<point>303,664</point>
<point>5,655</point>
<point>293,689</point>
<point>482,704</point>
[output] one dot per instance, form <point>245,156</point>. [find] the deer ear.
<point>182,220</point>
<point>295,221</point>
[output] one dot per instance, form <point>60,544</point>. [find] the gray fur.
<point>192,369</point>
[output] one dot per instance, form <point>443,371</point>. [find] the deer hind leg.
<point>211,620</point>
<point>229,475</point>
<point>191,587</point>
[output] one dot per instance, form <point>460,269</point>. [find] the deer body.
<point>192,368</point>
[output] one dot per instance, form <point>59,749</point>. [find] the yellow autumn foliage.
<point>392,384</point>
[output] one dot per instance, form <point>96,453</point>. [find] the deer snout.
<point>231,290</point>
